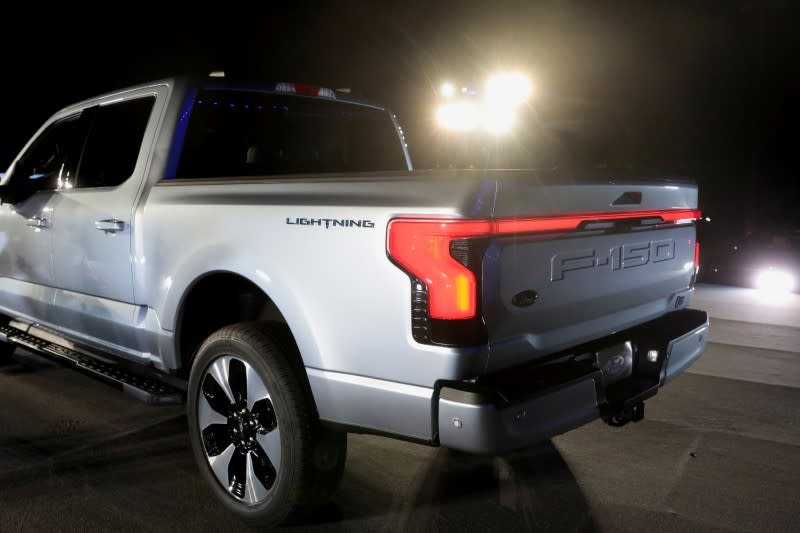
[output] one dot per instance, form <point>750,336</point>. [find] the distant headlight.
<point>447,90</point>
<point>775,281</point>
<point>498,119</point>
<point>469,116</point>
<point>460,116</point>
<point>509,88</point>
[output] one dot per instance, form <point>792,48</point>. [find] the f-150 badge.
<point>617,258</point>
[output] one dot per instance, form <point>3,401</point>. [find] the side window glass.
<point>114,141</point>
<point>51,162</point>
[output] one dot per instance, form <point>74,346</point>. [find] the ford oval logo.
<point>615,365</point>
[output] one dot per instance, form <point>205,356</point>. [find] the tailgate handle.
<point>620,223</point>
<point>109,225</point>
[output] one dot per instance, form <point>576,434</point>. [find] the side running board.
<point>147,389</point>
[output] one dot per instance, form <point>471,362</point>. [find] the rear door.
<point>92,239</point>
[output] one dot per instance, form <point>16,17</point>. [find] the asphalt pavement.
<point>719,449</point>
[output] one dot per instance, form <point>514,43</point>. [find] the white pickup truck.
<point>266,254</point>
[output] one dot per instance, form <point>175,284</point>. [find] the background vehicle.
<point>267,252</point>
<point>768,260</point>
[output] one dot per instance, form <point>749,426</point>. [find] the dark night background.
<point>707,90</point>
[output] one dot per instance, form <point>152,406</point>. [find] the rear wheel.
<point>253,426</point>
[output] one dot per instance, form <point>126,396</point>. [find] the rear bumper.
<point>524,405</point>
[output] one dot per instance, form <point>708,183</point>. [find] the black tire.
<point>310,459</point>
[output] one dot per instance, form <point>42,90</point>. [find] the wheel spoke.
<point>219,372</point>
<point>215,395</point>
<point>216,439</point>
<point>255,490</point>
<point>265,414</point>
<point>237,379</point>
<point>207,415</point>
<point>256,390</point>
<point>220,463</point>
<point>270,445</point>
<point>237,472</point>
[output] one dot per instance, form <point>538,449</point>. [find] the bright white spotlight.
<point>447,90</point>
<point>775,281</point>
<point>498,119</point>
<point>508,89</point>
<point>460,116</point>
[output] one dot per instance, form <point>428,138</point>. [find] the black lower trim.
<point>532,379</point>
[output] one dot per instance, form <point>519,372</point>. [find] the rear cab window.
<point>243,133</point>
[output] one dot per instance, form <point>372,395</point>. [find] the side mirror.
<point>7,194</point>
<point>11,192</point>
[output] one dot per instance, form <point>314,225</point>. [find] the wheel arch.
<point>216,299</point>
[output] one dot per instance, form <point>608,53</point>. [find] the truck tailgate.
<point>621,265</point>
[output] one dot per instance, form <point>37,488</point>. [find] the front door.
<point>27,218</point>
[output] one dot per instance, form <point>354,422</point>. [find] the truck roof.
<point>311,91</point>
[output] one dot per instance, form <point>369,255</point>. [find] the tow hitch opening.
<point>630,413</point>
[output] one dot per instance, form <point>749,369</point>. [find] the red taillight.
<point>422,248</point>
<point>696,256</point>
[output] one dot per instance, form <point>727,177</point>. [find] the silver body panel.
<point>346,304</point>
<point>363,402</point>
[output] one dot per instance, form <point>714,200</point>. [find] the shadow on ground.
<point>74,453</point>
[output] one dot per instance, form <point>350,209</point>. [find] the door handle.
<point>110,225</point>
<point>36,222</point>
